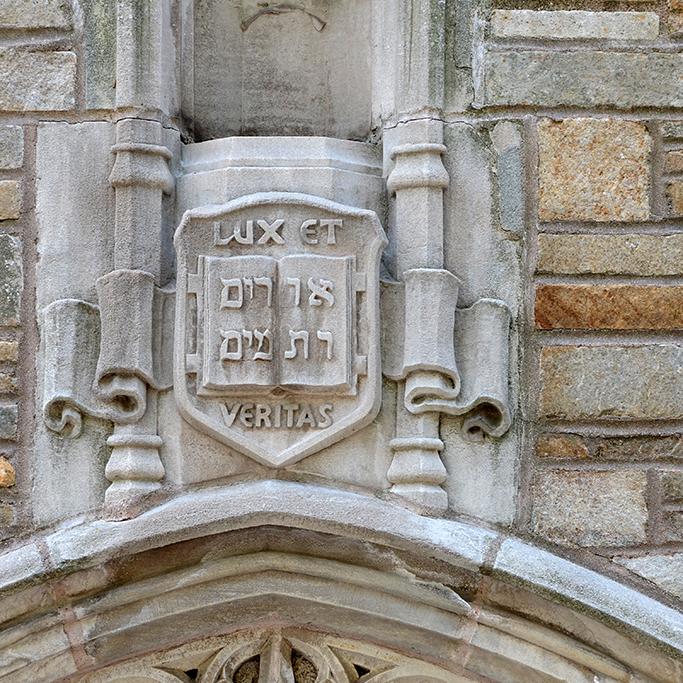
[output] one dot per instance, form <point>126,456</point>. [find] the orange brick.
<point>609,307</point>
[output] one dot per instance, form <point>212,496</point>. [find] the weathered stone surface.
<point>8,421</point>
<point>28,14</point>
<point>578,382</point>
<point>10,199</point>
<point>11,147</point>
<point>673,161</point>
<point>565,446</point>
<point>672,130</point>
<point>575,24</point>
<point>11,282</point>
<point>8,476</point>
<point>589,508</point>
<point>8,350</point>
<point>37,81</point>
<point>673,526</point>
<point>611,307</point>
<point>8,382</point>
<point>100,53</point>
<point>611,254</point>
<point>672,486</point>
<point>640,448</point>
<point>674,192</point>
<point>582,79</point>
<point>507,141</point>
<point>593,170</point>
<point>665,571</point>
<point>7,515</point>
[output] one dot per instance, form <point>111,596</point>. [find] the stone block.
<point>578,382</point>
<point>573,25</point>
<point>8,351</point>
<point>10,199</point>
<point>672,130</point>
<point>672,486</point>
<point>639,448</point>
<point>673,161</point>
<point>581,79</point>
<point>565,446</point>
<point>8,477</point>
<point>29,14</point>
<point>673,526</point>
<point>11,282</point>
<point>610,254</point>
<point>674,192</point>
<point>593,170</point>
<point>7,515</point>
<point>665,571</point>
<point>37,81</point>
<point>11,147</point>
<point>609,307</point>
<point>8,382</point>
<point>8,421</point>
<point>507,141</point>
<point>590,508</point>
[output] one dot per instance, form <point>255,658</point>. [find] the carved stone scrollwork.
<point>116,360</point>
<point>281,657</point>
<point>446,360</point>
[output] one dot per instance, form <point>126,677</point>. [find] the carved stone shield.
<point>277,323</point>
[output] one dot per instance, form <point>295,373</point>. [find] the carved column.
<point>127,303</point>
<point>418,180</point>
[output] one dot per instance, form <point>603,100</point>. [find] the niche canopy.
<point>277,323</point>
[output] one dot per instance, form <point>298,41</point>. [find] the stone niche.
<point>277,68</point>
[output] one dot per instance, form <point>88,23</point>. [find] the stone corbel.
<point>453,361</point>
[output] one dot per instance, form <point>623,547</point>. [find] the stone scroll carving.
<point>99,359</point>
<point>277,323</point>
<point>453,361</point>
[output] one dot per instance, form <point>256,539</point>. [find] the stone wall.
<point>562,133</point>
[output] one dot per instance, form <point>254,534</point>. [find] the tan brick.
<point>8,383</point>
<point>674,192</point>
<point>37,81</point>
<point>589,508</point>
<point>593,170</point>
<point>10,199</point>
<point>568,446</point>
<point>8,351</point>
<point>7,515</point>
<point>637,382</point>
<point>673,162</point>
<point>639,448</point>
<point>673,526</point>
<point>672,486</point>
<point>609,307</point>
<point>27,14</point>
<point>611,254</point>
<point>7,474</point>
<point>11,147</point>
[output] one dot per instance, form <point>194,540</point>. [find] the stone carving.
<point>445,362</point>
<point>251,10</point>
<point>84,376</point>
<point>453,361</point>
<point>277,323</point>
<point>290,656</point>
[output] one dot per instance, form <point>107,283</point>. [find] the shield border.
<point>369,401</point>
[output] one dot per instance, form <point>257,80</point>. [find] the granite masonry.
<point>341,341</point>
